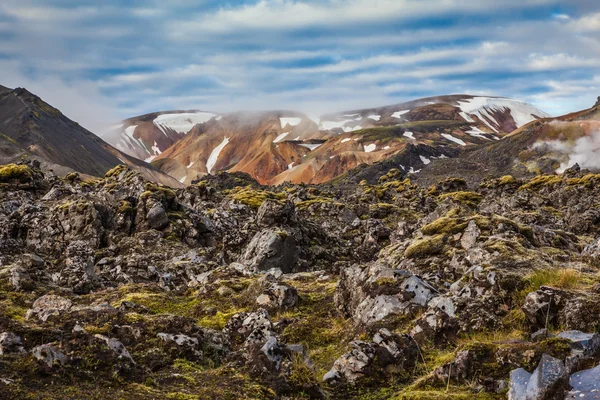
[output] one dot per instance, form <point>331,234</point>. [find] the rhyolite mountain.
<point>284,146</point>
<point>30,126</point>
<point>146,136</point>
<point>546,146</point>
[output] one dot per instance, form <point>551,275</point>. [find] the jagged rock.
<point>542,307</point>
<point>274,352</point>
<point>156,216</point>
<point>271,248</point>
<point>249,327</point>
<point>470,236</point>
<point>353,365</point>
<point>547,382</point>
<point>585,385</point>
<point>49,356</point>
<point>421,291</point>
<point>79,272</point>
<point>278,295</point>
<point>184,345</point>
<point>434,325</point>
<point>387,351</point>
<point>20,279</point>
<point>274,212</point>
<point>48,306</point>
<point>10,344</point>
<point>519,378</point>
<point>584,346</point>
<point>376,309</point>
<point>117,347</point>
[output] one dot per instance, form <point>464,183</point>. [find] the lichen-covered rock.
<point>387,352</point>
<point>117,348</point>
<point>271,248</point>
<point>275,294</point>
<point>183,346</point>
<point>11,344</point>
<point>49,356</point>
<point>547,382</point>
<point>48,306</point>
<point>584,384</point>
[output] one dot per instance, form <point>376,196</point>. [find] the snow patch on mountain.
<point>453,139</point>
<point>370,147</point>
<point>182,123</point>
<point>346,140</point>
<point>409,135</point>
<point>399,114</point>
<point>425,160</point>
<point>482,107</point>
<point>311,146</point>
<point>214,155</point>
<point>374,117</point>
<point>190,164</point>
<point>280,137</point>
<point>476,132</point>
<point>291,121</point>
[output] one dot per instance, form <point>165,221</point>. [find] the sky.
<point>102,61</point>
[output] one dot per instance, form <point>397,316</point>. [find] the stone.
<point>376,309</point>
<point>186,346</point>
<point>10,344</point>
<point>273,212</point>
<point>585,385</point>
<point>276,295</point>
<point>517,387</point>
<point>49,356</point>
<point>470,236</point>
<point>117,347</point>
<point>422,292</point>
<point>48,306</point>
<point>157,217</point>
<point>20,279</point>
<point>386,351</point>
<point>271,248</point>
<point>588,343</point>
<point>548,381</point>
<point>543,306</point>
<point>274,352</point>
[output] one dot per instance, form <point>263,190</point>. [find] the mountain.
<point>276,147</point>
<point>30,125</point>
<point>262,144</point>
<point>546,146</point>
<point>146,136</point>
<point>488,117</point>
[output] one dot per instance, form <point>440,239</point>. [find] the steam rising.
<point>585,151</point>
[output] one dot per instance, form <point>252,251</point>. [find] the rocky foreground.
<point>120,288</point>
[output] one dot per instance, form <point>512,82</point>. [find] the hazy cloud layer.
<point>100,61</point>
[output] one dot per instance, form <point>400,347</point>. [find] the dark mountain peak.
<point>597,102</point>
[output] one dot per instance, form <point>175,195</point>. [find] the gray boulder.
<point>547,382</point>
<point>183,345</point>
<point>387,352</point>
<point>271,248</point>
<point>49,356</point>
<point>10,344</point>
<point>48,306</point>
<point>156,216</point>
<point>585,385</point>
<point>117,347</point>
